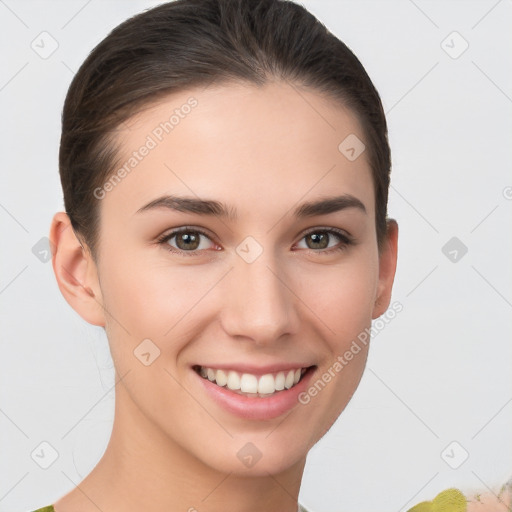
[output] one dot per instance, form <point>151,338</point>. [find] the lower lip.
<point>254,408</point>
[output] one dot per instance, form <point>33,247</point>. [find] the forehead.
<point>249,146</point>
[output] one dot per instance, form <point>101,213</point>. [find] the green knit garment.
<point>450,500</point>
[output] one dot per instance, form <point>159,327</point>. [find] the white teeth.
<point>233,380</point>
<point>266,384</point>
<point>248,383</point>
<point>280,378</point>
<point>288,383</point>
<point>222,378</point>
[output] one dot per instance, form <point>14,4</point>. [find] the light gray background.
<point>438,373</point>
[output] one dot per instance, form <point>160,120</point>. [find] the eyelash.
<point>345,240</point>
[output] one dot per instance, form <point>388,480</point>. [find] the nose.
<point>259,301</point>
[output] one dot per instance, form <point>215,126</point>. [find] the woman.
<point>225,169</point>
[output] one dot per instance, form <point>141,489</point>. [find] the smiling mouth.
<point>251,385</point>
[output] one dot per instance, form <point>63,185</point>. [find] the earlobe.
<point>75,271</point>
<point>387,268</point>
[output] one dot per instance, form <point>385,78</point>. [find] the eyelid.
<point>341,232</point>
<point>180,229</point>
<point>168,235</point>
<point>346,240</point>
<point>345,237</point>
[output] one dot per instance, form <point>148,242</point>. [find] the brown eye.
<point>318,241</point>
<point>190,241</point>
<point>323,241</point>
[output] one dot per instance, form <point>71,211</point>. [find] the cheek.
<point>343,299</point>
<point>343,296</point>
<point>151,297</point>
<point>147,298</point>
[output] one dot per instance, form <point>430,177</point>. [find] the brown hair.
<point>189,43</point>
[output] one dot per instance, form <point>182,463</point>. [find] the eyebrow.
<point>322,206</point>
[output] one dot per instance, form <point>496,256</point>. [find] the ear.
<point>75,271</point>
<point>387,267</point>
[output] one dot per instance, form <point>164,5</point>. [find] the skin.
<point>490,501</point>
<point>263,151</point>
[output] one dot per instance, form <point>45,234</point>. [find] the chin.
<point>255,459</point>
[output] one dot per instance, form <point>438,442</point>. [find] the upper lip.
<point>255,370</point>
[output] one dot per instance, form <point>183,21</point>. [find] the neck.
<point>143,469</point>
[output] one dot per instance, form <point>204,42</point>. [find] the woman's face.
<point>266,287</point>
